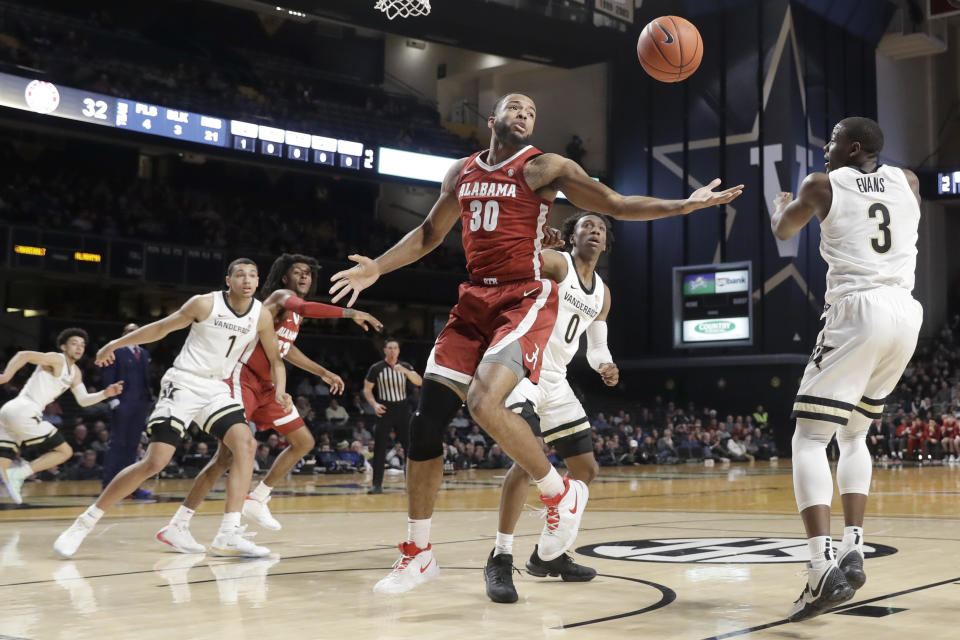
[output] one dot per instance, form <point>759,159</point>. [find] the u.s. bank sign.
<point>716,550</point>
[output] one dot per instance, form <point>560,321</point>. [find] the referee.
<point>390,377</point>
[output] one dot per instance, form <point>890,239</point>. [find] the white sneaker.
<point>259,512</point>
<point>826,588</point>
<point>13,478</point>
<point>414,567</point>
<point>563,518</point>
<point>179,537</point>
<point>235,543</point>
<point>69,541</point>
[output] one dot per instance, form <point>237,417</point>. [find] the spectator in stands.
<point>600,422</point>
<point>666,450</point>
<point>476,436</point>
<point>760,417</point>
<point>648,451</point>
<point>396,458</point>
<point>766,447</point>
<point>479,456</point>
<point>690,447</point>
<point>876,440</point>
<point>53,414</point>
<point>736,450</point>
<point>335,413</point>
<point>632,454</point>
<point>80,439</point>
<point>360,432</point>
<point>950,437</point>
<point>460,421</point>
<point>497,459</point>
<point>88,469</point>
<point>102,444</point>
<point>606,453</point>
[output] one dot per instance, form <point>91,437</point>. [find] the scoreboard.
<point>48,99</point>
<point>712,305</point>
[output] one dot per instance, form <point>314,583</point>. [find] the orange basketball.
<point>670,49</point>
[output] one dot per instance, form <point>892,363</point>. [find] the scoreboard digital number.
<point>48,99</point>
<point>712,305</point>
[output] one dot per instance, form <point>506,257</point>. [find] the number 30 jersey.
<point>503,219</point>
<point>869,237</point>
<point>579,306</point>
<point>215,343</point>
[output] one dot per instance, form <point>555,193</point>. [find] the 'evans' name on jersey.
<point>870,184</point>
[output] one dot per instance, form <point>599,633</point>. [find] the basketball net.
<point>403,8</point>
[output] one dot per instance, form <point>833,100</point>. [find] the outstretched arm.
<point>813,199</point>
<point>413,246</point>
<point>193,310</point>
<point>85,398</point>
<point>50,359</point>
<point>566,175</point>
<point>286,299</point>
<point>300,360</point>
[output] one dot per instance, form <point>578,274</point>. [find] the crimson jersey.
<point>255,358</point>
<point>503,219</point>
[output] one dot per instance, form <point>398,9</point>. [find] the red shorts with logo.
<point>488,318</point>
<point>260,403</point>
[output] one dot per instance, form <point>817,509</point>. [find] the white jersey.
<point>215,343</point>
<point>43,387</point>
<point>578,307</point>
<point>869,237</point>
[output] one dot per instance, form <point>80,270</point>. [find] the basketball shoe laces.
<point>402,562</point>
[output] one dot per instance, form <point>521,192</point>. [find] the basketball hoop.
<point>403,8</point>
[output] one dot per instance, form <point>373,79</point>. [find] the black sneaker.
<point>851,563</point>
<point>375,489</point>
<point>498,574</point>
<point>564,566</point>
<point>824,589</point>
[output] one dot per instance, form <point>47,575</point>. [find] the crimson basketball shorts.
<point>508,323</point>
<point>260,403</point>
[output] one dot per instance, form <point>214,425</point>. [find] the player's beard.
<point>506,135</point>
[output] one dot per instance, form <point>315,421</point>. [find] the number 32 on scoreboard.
<point>96,109</point>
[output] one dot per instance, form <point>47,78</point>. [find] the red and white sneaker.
<point>414,567</point>
<point>563,515</point>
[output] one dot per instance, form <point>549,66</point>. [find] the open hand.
<point>706,196</point>
<point>355,279</point>
<point>366,321</point>
<point>333,381</point>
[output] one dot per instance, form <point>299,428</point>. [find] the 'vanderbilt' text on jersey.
<point>503,219</point>
<point>869,237</point>
<point>215,343</point>
<point>579,306</point>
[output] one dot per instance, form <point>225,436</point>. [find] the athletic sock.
<point>551,484</point>
<point>853,537</point>
<point>261,492</point>
<point>418,532</point>
<point>230,522</point>
<point>182,516</point>
<point>821,551</point>
<point>504,544</point>
<point>94,513</point>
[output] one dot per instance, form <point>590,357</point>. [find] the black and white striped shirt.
<point>389,385</point>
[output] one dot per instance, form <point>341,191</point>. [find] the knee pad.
<point>438,406</point>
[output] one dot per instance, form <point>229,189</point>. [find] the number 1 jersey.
<point>503,219</point>
<point>869,237</point>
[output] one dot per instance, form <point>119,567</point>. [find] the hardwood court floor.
<point>683,552</point>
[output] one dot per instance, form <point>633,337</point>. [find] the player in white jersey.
<point>222,324</point>
<point>868,215</point>
<point>22,427</point>
<point>550,407</point>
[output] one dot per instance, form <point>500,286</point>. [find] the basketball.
<point>670,49</point>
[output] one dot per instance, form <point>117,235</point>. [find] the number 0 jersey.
<point>869,237</point>
<point>578,307</point>
<point>503,219</point>
<point>215,343</point>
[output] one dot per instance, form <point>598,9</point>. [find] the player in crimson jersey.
<point>499,328</point>
<point>291,279</point>
<point>950,432</point>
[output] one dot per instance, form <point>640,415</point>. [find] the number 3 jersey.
<point>869,237</point>
<point>503,219</point>
<point>579,306</point>
<point>215,343</point>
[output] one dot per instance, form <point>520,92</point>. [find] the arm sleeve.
<point>597,351</point>
<point>312,309</point>
<point>84,398</point>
